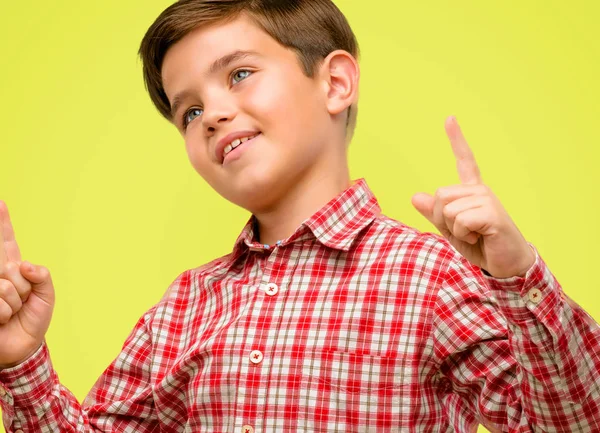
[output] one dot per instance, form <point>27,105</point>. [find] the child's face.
<point>265,93</point>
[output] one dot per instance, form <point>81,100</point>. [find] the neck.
<point>300,203</point>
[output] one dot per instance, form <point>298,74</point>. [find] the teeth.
<point>235,143</point>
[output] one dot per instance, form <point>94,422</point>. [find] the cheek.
<point>278,95</point>
<point>262,102</point>
<point>196,151</point>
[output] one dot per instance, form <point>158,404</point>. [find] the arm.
<point>513,350</point>
<point>31,396</point>
<point>121,400</point>
<point>515,353</point>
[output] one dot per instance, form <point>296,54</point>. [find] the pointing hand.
<point>472,218</point>
<point>26,299</point>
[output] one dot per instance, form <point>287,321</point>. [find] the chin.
<point>256,191</point>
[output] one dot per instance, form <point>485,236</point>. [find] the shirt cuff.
<point>29,383</point>
<point>536,296</point>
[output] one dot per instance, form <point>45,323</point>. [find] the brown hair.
<point>312,28</point>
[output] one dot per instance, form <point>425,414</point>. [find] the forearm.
<point>34,399</point>
<point>521,365</point>
<point>555,344</point>
<point>551,337</point>
<point>121,399</point>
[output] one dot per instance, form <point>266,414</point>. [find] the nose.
<point>217,115</point>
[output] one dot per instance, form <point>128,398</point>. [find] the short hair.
<point>312,28</point>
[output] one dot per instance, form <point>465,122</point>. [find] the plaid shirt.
<point>355,323</point>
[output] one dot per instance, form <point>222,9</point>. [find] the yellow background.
<point>101,192</point>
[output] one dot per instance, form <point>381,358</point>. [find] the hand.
<point>26,299</point>
<point>473,220</point>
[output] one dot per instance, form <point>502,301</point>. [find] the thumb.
<point>40,279</point>
<point>424,203</point>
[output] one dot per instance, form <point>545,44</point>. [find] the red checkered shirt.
<point>354,323</point>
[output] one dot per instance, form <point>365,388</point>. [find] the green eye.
<point>240,75</point>
<point>189,115</point>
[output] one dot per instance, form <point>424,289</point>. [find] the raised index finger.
<point>468,170</point>
<point>9,249</point>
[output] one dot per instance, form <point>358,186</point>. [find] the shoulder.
<point>429,261</point>
<point>414,250</point>
<point>410,240</point>
<point>186,283</point>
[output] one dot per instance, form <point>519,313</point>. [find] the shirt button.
<point>256,356</point>
<point>535,295</point>
<point>271,289</point>
<point>247,429</point>
<point>19,431</point>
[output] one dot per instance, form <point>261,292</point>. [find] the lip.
<point>223,142</point>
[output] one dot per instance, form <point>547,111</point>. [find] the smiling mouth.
<point>237,143</point>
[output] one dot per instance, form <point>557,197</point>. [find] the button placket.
<point>258,363</point>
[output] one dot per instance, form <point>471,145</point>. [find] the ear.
<point>340,72</point>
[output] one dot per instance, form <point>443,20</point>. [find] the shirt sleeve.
<point>516,354</point>
<point>33,399</point>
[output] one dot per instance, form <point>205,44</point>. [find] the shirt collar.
<point>336,225</point>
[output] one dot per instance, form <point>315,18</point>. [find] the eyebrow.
<point>218,65</point>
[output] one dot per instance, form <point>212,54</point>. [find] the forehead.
<point>195,52</point>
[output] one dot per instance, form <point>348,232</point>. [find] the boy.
<point>327,315</point>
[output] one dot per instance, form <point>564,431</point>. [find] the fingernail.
<point>28,266</point>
